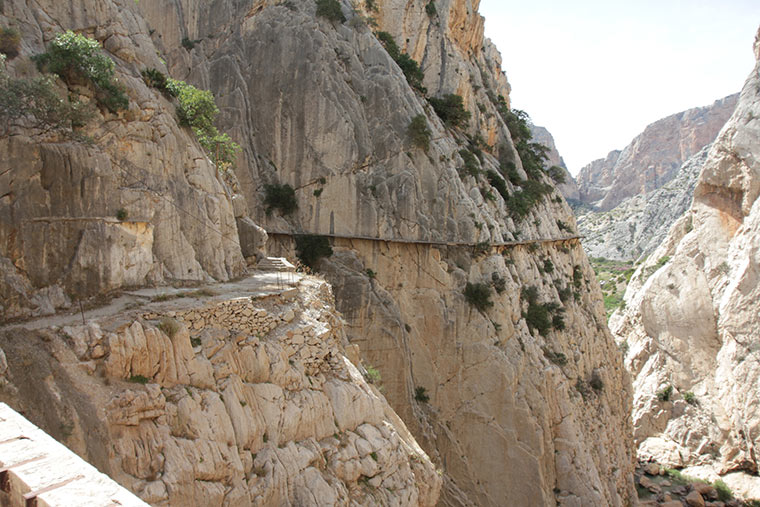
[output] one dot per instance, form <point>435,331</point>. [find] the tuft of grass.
<point>139,379</point>
<point>690,398</point>
<point>169,327</point>
<point>373,375</point>
<point>121,214</point>
<point>724,492</point>
<point>330,9</point>
<point>420,394</point>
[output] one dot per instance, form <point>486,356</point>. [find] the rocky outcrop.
<point>691,318</point>
<point>502,420</point>
<point>506,399</point>
<point>232,400</point>
<point>569,189</point>
<point>653,157</point>
<point>638,225</point>
<point>60,237</point>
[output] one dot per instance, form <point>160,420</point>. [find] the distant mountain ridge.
<point>654,156</point>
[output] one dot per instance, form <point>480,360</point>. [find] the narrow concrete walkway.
<point>35,469</point>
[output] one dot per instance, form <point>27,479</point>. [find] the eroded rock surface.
<point>635,228</point>
<point>691,318</point>
<point>568,188</point>
<point>244,402</point>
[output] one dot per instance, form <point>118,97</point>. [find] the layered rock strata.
<point>691,317</point>
<point>60,237</point>
<point>653,157</point>
<point>235,400</point>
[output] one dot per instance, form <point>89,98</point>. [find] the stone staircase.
<point>275,264</point>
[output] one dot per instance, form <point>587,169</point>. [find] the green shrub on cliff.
<point>197,109</point>
<point>408,65</point>
<point>281,197</point>
<point>450,109</point>
<point>478,295</point>
<point>419,132</point>
<point>10,39</point>
<point>331,10</point>
<point>311,248</point>
<point>38,104</point>
<point>76,58</point>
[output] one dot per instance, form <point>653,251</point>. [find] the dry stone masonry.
<point>258,405</point>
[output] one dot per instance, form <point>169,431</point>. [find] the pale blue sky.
<point>596,72</point>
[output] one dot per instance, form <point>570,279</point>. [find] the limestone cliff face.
<point>514,414</point>
<point>691,319</point>
<point>637,226</point>
<point>59,235</point>
<point>245,401</point>
<point>569,188</point>
<point>654,156</point>
<point>321,106</point>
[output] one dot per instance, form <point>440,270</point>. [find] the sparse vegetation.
<point>311,248</point>
<point>613,277</point>
<point>10,40</point>
<point>478,295</point>
<point>330,9</point>
<point>139,379</point>
<point>169,327</point>
<point>189,43</point>
<point>450,109</point>
<point>596,382</point>
<point>471,164</point>
<point>419,132</point>
<point>408,65</point>
<point>372,375</point>
<point>37,103</point>
<point>430,9</point>
<point>665,393</point>
<point>280,197</point>
<point>724,492</point>
<point>158,80</point>
<point>420,394</point>
<point>76,58</point>
<point>498,183</point>
<point>557,174</point>
<point>121,214</point>
<point>557,358</point>
<point>690,398</point>
<point>541,317</point>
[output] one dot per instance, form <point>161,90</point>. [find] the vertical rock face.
<point>320,105</point>
<point>692,318</point>
<point>654,156</point>
<point>523,400</point>
<point>59,231</point>
<point>569,188</point>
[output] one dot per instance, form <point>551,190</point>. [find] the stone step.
<point>275,264</point>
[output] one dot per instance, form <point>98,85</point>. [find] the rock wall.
<point>513,414</point>
<point>654,156</point>
<point>59,235</point>
<point>637,226</point>
<point>569,188</point>
<point>503,421</point>
<point>244,402</point>
<point>691,318</point>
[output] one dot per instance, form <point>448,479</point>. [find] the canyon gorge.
<point>444,341</point>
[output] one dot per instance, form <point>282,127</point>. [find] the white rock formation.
<point>244,402</point>
<point>692,316</point>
